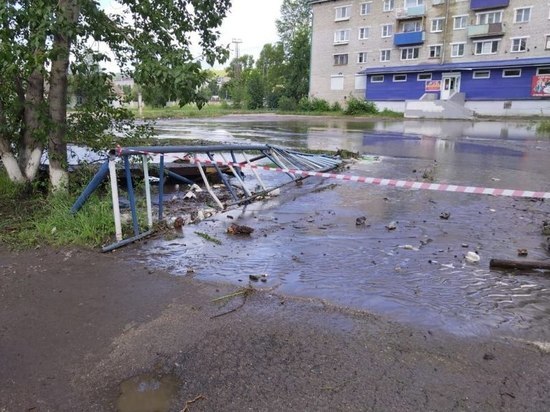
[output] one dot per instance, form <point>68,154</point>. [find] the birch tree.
<point>42,42</point>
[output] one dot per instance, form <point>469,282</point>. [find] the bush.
<point>357,106</point>
<point>336,107</point>
<point>287,104</point>
<point>544,127</point>
<point>313,105</point>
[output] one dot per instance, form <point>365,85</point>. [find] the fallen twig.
<point>187,403</point>
<point>206,236</point>
<point>519,264</point>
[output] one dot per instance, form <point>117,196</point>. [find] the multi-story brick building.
<point>490,56</point>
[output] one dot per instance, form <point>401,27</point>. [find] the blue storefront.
<point>503,80</point>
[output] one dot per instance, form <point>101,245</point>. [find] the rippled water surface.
<point>306,240</point>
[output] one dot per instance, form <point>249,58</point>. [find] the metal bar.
<point>174,175</point>
<point>234,159</point>
<point>131,197</point>
<point>237,175</point>
<point>185,149</point>
<point>147,192</point>
<point>207,184</point>
<point>114,197</point>
<point>264,187</point>
<point>125,242</point>
<point>161,187</point>
<point>222,176</point>
<point>100,175</point>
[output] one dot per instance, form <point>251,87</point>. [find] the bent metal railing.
<point>214,156</point>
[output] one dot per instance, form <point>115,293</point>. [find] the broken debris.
<point>472,257</point>
<point>392,225</point>
<point>360,221</point>
<point>445,215</point>
<point>235,229</point>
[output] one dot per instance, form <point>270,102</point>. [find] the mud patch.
<point>147,393</point>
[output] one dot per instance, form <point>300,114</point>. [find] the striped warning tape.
<point>405,184</point>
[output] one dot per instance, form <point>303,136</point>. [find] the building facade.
<point>491,56</point>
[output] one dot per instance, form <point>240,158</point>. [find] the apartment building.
<point>491,56</point>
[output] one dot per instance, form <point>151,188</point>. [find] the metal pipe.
<point>161,187</point>
<point>264,187</point>
<point>182,179</point>
<point>125,242</point>
<point>237,175</point>
<point>147,192</point>
<point>100,175</point>
<point>131,197</point>
<point>207,184</point>
<point>222,176</point>
<point>184,149</point>
<point>114,197</point>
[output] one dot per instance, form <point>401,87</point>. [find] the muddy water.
<point>306,240</point>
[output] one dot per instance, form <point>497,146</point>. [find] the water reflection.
<point>308,243</point>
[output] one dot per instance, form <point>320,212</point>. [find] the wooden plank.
<point>519,264</point>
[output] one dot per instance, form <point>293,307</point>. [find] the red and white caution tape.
<point>405,184</point>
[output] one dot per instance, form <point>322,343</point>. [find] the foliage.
<point>255,89</point>
<point>42,42</point>
<point>336,107</point>
<point>355,106</point>
<point>544,127</point>
<point>287,104</point>
<point>313,105</point>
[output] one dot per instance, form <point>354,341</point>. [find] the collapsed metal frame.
<point>285,159</point>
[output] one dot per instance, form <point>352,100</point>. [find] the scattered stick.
<point>518,264</point>
<point>231,295</point>
<point>187,403</point>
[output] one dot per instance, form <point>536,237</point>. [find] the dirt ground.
<point>75,324</point>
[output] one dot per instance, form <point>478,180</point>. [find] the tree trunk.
<point>57,143</point>
<point>31,152</point>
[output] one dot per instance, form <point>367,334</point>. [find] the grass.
<point>544,127</point>
<point>218,110</point>
<point>30,218</point>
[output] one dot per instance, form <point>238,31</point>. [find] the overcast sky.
<point>251,21</point>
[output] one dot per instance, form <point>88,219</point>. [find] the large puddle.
<point>308,243</point>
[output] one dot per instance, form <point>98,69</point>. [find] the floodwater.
<point>308,243</point>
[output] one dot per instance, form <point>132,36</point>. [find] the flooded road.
<point>308,243</point>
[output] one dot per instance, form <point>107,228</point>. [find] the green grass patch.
<point>29,217</point>
<point>176,112</point>
<point>544,127</point>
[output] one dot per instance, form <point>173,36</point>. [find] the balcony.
<point>485,30</point>
<point>410,12</point>
<point>408,39</point>
<point>488,4</point>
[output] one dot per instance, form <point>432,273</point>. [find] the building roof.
<point>463,66</point>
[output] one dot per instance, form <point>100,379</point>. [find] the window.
<point>337,82</point>
<point>366,8</point>
<point>547,47</point>
<point>435,51</point>
<point>522,15</point>
<point>385,55</point>
<point>481,74</point>
<point>342,13</point>
<point>511,73</point>
<point>457,49</point>
<point>341,36</point>
<point>363,33</point>
<point>410,26</point>
<point>388,5</point>
<point>424,77</point>
<point>360,82</point>
<point>519,45</point>
<point>399,77</point>
<point>486,47</point>
<point>387,30</point>
<point>340,59</point>
<point>543,70</point>
<point>413,3</point>
<point>489,17</point>
<point>362,57</point>
<point>379,78</point>
<point>460,22</point>
<point>437,25</point>
<point>410,53</point>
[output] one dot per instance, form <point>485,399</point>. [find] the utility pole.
<point>236,42</point>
